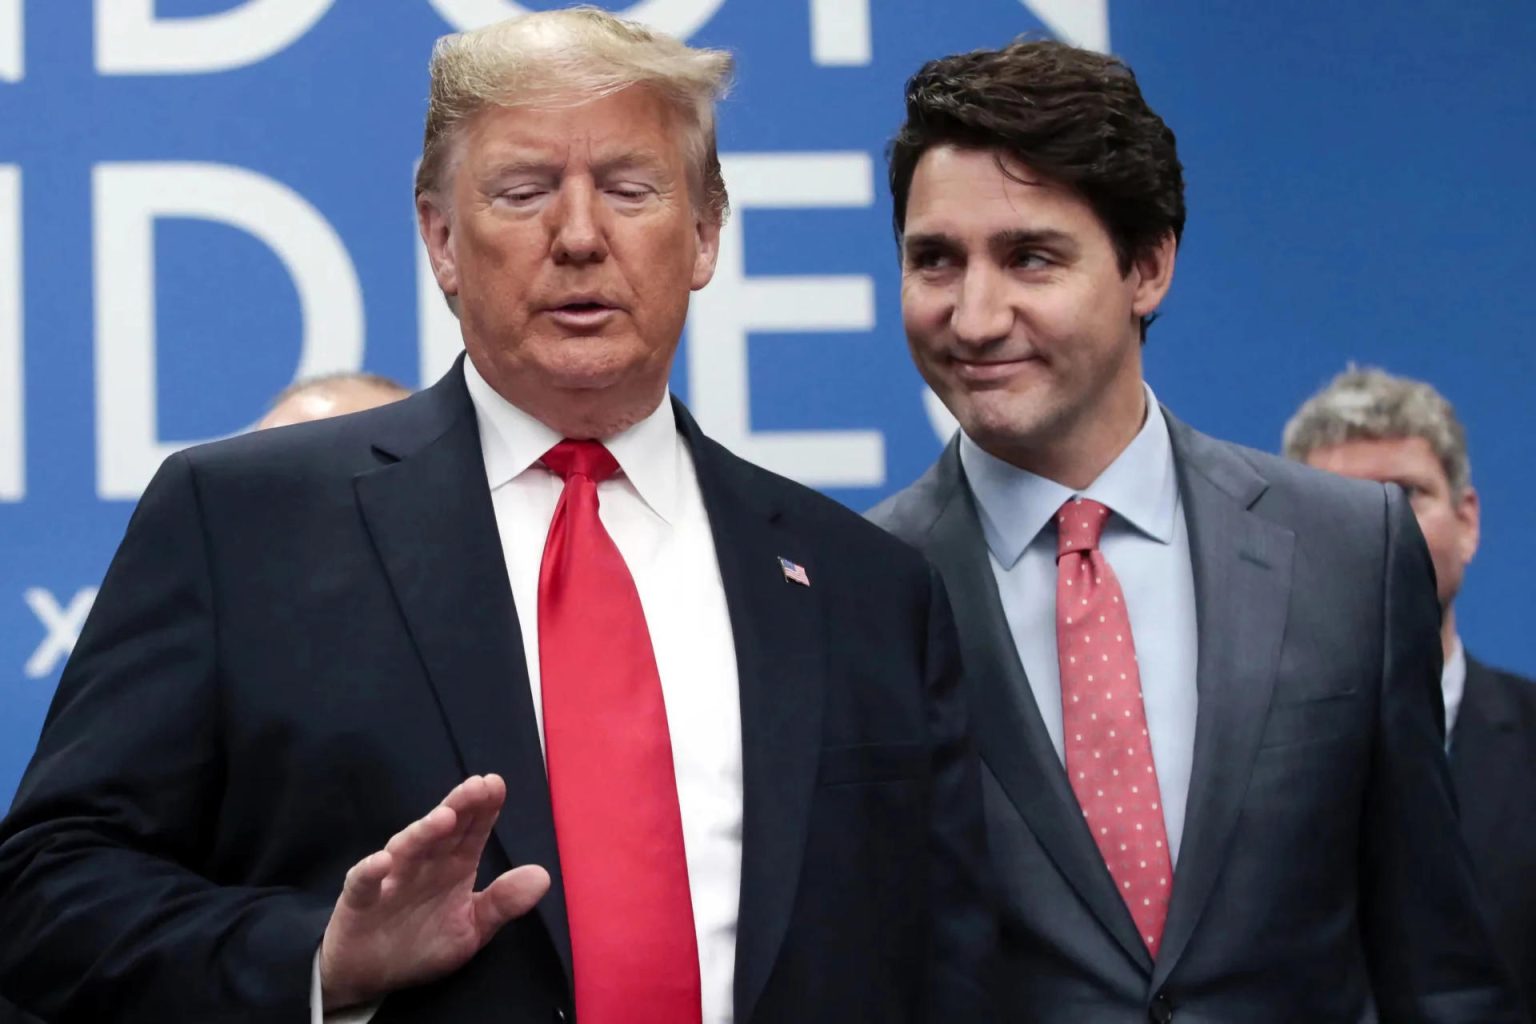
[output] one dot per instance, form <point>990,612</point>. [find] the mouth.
<point>582,312</point>
<point>984,371</point>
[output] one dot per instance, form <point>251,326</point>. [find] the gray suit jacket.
<point>1320,861</point>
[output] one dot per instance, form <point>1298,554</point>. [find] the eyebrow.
<point>636,161</point>
<point>1013,238</point>
<point>518,165</point>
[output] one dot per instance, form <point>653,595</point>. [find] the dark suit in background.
<point>1493,768</point>
<point>1319,859</point>
<point>307,637</point>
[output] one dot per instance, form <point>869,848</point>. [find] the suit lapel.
<point>1242,573</point>
<point>429,513</point>
<point>778,629</point>
<point>1005,711</point>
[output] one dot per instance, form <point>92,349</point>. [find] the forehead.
<point>634,122</point>
<point>1398,458</point>
<point>961,191</point>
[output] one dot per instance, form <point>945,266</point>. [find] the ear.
<point>1468,512</point>
<point>436,226</point>
<point>1153,268</point>
<point>707,238</point>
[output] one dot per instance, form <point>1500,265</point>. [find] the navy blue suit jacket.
<point>307,638</point>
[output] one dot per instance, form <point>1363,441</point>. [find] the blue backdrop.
<point>201,199</point>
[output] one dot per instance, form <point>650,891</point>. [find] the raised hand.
<point>409,913</point>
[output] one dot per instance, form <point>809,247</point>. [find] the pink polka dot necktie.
<point>634,953</point>
<point>1108,751</point>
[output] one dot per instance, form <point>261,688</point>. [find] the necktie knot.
<point>1079,524</point>
<point>581,458</point>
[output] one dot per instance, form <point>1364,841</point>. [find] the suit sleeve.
<point>1429,951</point>
<point>965,927</point>
<point>105,902</point>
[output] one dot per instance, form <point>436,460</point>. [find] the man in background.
<point>1376,426</point>
<point>1204,679</point>
<point>331,394</point>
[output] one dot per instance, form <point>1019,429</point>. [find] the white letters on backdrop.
<point>62,624</point>
<point>128,200</point>
<point>840,32</point>
<point>734,304</point>
<point>13,414</point>
<point>13,63</point>
<point>1082,23</point>
<point>839,28</point>
<point>131,40</point>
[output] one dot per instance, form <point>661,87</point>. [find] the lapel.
<point>779,633</point>
<point>1242,573</point>
<point>1486,741</point>
<point>1005,711</point>
<point>428,510</point>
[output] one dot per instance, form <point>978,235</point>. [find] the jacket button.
<point>1161,1010</point>
<point>560,1017</point>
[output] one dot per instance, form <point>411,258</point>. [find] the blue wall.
<point>1356,178</point>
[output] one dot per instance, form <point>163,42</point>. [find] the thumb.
<point>511,895</point>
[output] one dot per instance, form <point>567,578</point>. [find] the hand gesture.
<point>409,913</point>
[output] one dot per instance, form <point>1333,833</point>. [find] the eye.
<point>522,195</point>
<point>930,259</point>
<point>630,192</point>
<point>1029,259</point>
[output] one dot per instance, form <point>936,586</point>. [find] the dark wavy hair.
<point>1072,115</point>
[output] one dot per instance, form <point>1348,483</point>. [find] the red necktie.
<point>1109,754</point>
<point>634,954</point>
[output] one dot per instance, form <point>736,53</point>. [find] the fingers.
<point>366,880</point>
<point>459,826</point>
<point>510,896</point>
<point>479,817</point>
<point>423,837</point>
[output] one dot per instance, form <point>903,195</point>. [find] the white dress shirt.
<point>654,511</point>
<point>1146,543</point>
<point>1453,683</point>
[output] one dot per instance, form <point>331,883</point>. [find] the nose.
<point>981,313</point>
<point>579,224</point>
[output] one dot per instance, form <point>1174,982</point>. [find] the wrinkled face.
<point>570,238</point>
<point>1448,521</point>
<point>1017,313</point>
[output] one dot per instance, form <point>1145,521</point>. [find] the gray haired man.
<point>1370,424</point>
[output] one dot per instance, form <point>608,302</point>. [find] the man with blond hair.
<point>699,728</point>
<point>1374,425</point>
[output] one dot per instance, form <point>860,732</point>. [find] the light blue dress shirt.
<point>1146,543</point>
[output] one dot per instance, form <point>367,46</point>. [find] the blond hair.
<point>574,56</point>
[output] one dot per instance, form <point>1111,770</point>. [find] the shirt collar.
<point>1140,486</point>
<point>512,441</point>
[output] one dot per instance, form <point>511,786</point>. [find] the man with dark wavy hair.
<point>1204,680</point>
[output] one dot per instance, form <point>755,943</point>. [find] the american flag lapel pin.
<point>794,573</point>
